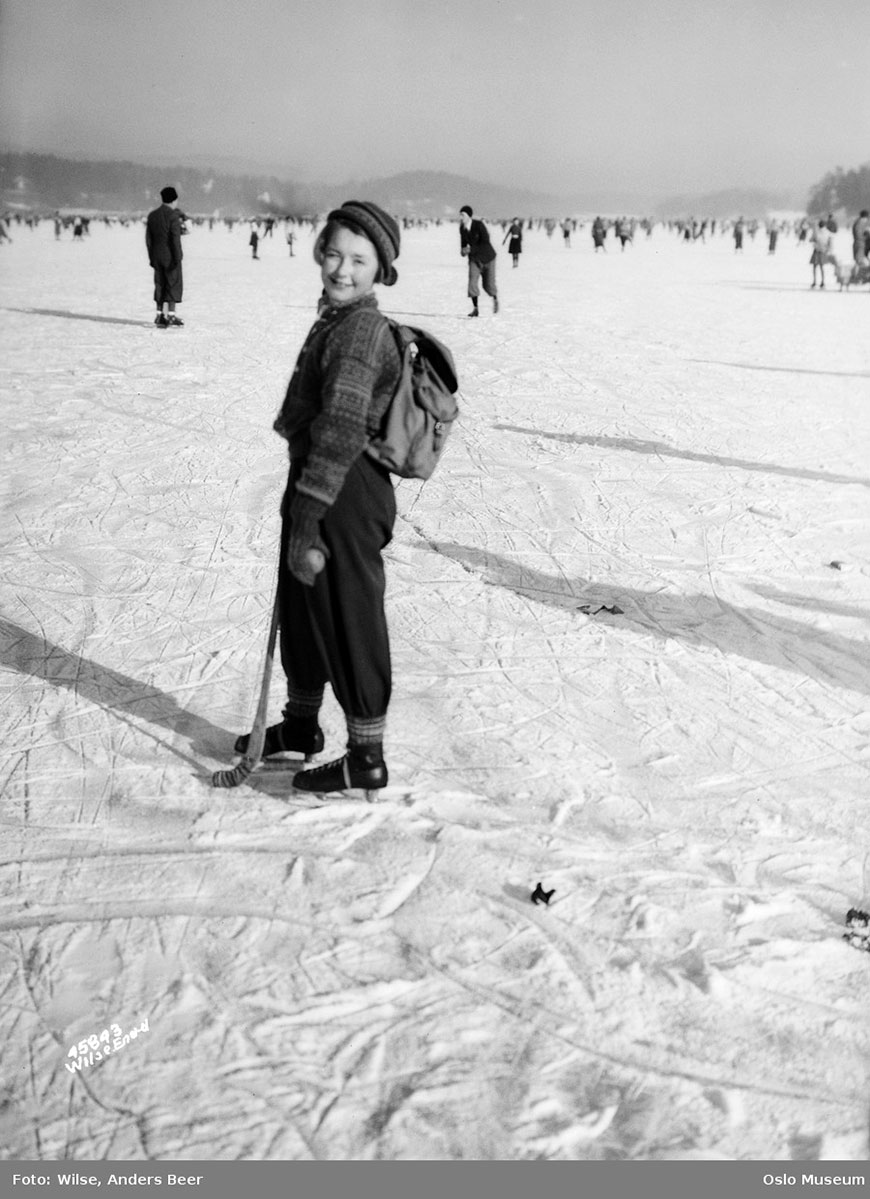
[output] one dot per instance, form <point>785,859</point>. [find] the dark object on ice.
<point>835,565</point>
<point>611,608</point>
<point>858,924</point>
<point>540,894</point>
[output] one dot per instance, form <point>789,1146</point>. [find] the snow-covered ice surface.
<point>677,432</point>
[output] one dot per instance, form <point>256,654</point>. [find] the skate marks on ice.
<point>660,449</point>
<point>140,706</point>
<point>697,619</point>
<point>312,1004</point>
<point>325,978</point>
<point>104,688</point>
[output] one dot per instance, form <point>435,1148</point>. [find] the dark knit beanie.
<point>168,194</point>
<point>379,227</point>
<point>467,208</point>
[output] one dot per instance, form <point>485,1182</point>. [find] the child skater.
<point>340,502</point>
<point>515,247</point>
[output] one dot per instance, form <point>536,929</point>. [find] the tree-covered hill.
<point>848,190</point>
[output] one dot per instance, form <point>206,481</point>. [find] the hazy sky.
<point>661,96</point>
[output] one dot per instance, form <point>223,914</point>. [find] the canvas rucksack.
<point>422,411</point>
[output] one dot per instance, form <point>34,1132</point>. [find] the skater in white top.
<point>822,243</point>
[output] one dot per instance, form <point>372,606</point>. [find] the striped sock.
<point>302,703</point>
<point>363,730</point>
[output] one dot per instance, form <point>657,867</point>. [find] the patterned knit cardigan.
<point>345,377</point>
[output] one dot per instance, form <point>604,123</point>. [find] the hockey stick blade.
<point>234,777</point>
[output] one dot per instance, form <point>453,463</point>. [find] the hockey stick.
<point>238,774</point>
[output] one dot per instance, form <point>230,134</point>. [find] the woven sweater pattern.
<point>345,377</point>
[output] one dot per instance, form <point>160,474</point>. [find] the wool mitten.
<point>306,514</point>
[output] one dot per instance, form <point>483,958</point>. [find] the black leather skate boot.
<point>362,767</point>
<point>299,735</point>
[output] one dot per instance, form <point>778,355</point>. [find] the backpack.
<point>421,413</point>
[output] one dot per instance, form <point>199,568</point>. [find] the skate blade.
<point>277,764</point>
<point>369,795</point>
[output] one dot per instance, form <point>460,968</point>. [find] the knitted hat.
<point>379,227</point>
<point>168,194</point>
<point>467,208</point>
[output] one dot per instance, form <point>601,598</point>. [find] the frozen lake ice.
<point>629,618</point>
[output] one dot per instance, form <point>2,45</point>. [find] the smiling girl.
<point>339,501</point>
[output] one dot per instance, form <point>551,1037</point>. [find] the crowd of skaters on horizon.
<point>816,232</point>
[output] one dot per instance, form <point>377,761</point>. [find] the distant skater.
<point>253,242</point>
<point>291,236</point>
<point>163,241</point>
<point>739,230</point>
<point>515,245</point>
<point>566,233</point>
<point>599,233</point>
<point>477,248</point>
<point>822,243</point>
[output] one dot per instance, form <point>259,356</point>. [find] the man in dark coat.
<point>477,248</point>
<point>861,238</point>
<point>163,240</point>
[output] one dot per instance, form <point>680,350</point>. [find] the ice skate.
<point>361,769</point>
<point>301,736</point>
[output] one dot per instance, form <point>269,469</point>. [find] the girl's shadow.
<point>28,654</point>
